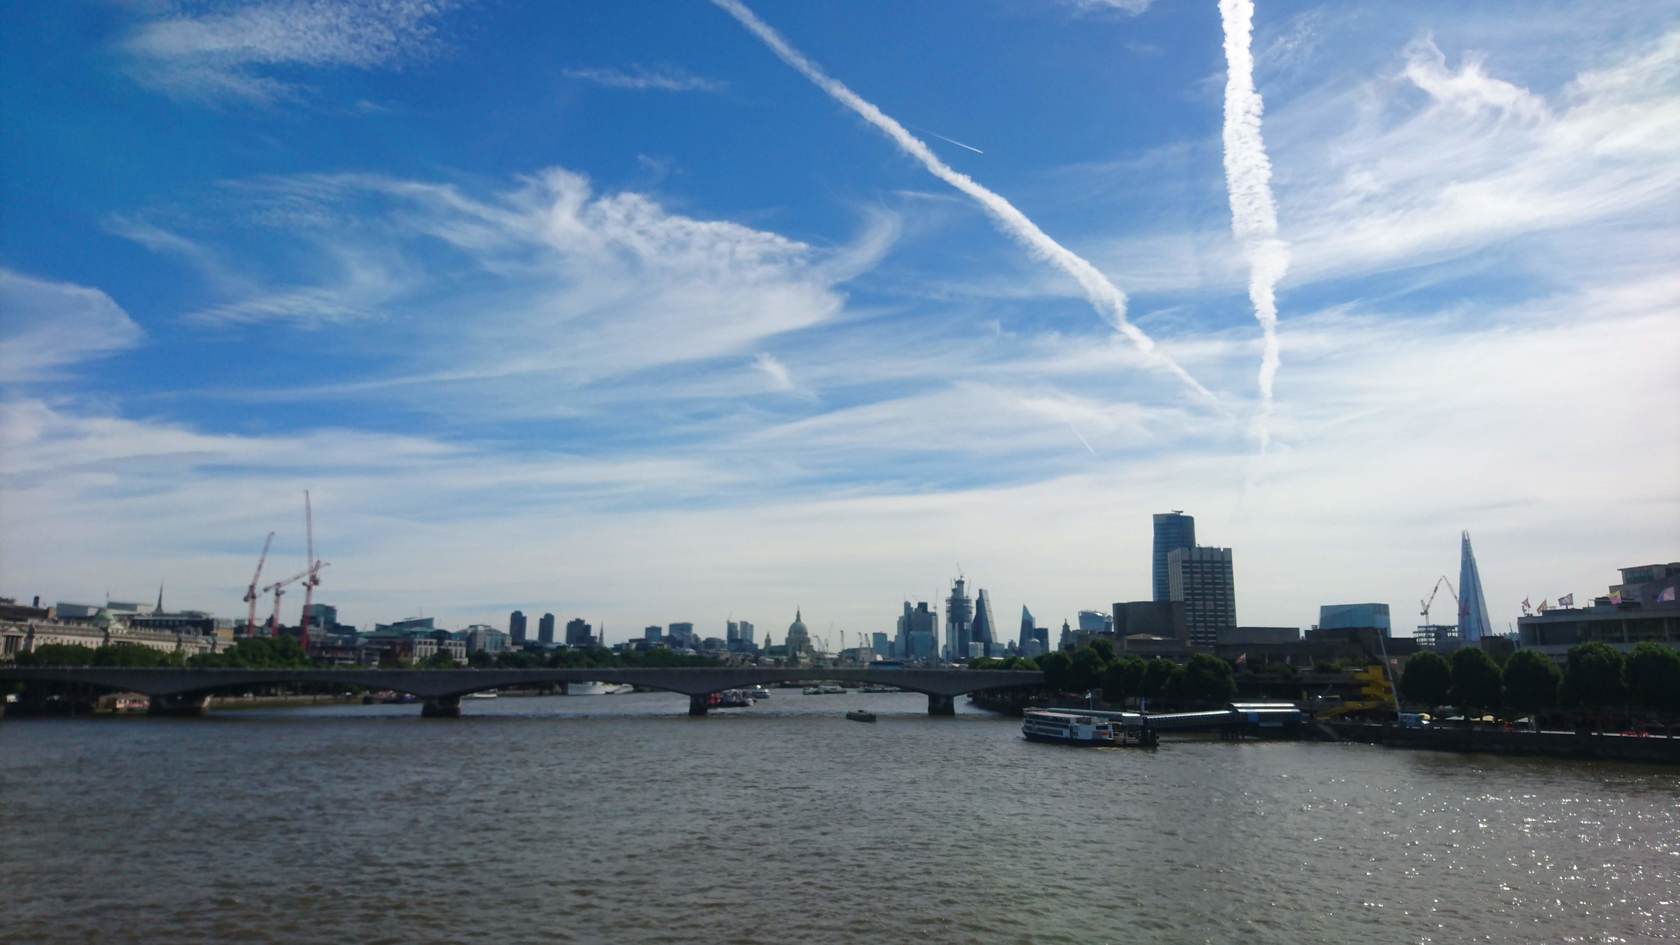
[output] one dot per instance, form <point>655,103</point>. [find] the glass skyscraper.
<point>1472,605</point>
<point>1173,530</point>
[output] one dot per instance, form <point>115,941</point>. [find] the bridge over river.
<point>187,691</point>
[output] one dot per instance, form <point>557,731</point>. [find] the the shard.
<point>1472,605</point>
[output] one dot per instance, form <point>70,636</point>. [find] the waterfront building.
<point>1348,616</point>
<point>1645,606</point>
<point>1173,531</point>
<point>959,615</point>
<point>653,636</point>
<point>1472,603</point>
<point>545,630</point>
<point>483,638</point>
<point>982,632</point>
<point>1149,621</point>
<point>798,638</point>
<point>407,624</point>
<point>516,628</point>
<point>1202,579</point>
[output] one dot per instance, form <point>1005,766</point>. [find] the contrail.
<point>949,140</point>
<point>1248,178</point>
<point>1081,438</point>
<point>1103,295</point>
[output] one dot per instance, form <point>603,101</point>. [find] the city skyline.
<point>674,333</point>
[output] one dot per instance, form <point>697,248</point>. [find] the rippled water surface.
<point>619,819</point>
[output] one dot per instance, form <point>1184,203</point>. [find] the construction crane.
<point>1425,604</point>
<point>312,572</point>
<point>251,594</point>
<point>278,588</point>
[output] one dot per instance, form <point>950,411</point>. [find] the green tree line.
<point>1595,677</point>
<point>1204,680</point>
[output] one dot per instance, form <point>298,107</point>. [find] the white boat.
<point>485,694</point>
<point>758,692</point>
<point>824,690</point>
<point>589,689</point>
<point>1067,728</point>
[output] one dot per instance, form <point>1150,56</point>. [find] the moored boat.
<point>861,715</point>
<point>1067,728</point>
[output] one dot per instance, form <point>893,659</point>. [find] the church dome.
<point>798,625</point>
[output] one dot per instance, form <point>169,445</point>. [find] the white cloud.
<point>46,327</point>
<point>639,79</point>
<point>1098,7</point>
<point>775,370</point>
<point>231,52</point>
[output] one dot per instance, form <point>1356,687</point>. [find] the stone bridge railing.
<point>442,689</point>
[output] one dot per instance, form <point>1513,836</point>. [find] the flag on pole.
<point>1544,607</point>
<point>1567,600</point>
<point>1615,597</point>
<point>1667,595</point>
<point>1527,607</point>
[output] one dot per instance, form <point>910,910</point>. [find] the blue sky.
<point>607,310</point>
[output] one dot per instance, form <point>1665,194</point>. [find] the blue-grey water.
<point>619,819</point>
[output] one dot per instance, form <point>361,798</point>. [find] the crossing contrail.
<point>1103,295</point>
<point>1248,178</point>
<point>949,140</point>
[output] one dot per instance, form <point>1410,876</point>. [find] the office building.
<point>1352,616</point>
<point>1436,636</point>
<point>1150,620</point>
<point>545,630</point>
<point>959,616</point>
<point>1262,636</point>
<point>918,632</point>
<point>315,616</point>
<point>1202,578</point>
<point>483,638</point>
<point>516,627</point>
<point>982,632</point>
<point>881,644</point>
<point>680,636</point>
<point>746,633</point>
<point>1094,621</point>
<point>1173,531</point>
<point>1027,622</point>
<point>653,636</point>
<point>579,633</point>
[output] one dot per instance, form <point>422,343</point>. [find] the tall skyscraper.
<point>1026,628</point>
<point>681,636</point>
<point>545,630</point>
<point>959,615</point>
<point>1472,605</point>
<point>918,633</point>
<point>745,629</point>
<point>1202,579</point>
<point>579,633</point>
<point>516,627</point>
<point>1173,530</point>
<point>732,634</point>
<point>982,633</point>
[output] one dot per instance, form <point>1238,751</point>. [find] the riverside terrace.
<point>187,691</point>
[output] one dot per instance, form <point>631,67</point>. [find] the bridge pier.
<point>942,705</point>
<point>442,707</point>
<point>184,705</point>
<point>697,705</point>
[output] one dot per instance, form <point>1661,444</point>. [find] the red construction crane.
<point>278,588</point>
<point>251,591</point>
<point>311,574</point>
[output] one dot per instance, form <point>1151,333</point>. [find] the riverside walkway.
<point>187,691</point>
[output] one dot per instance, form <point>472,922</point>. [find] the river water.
<point>620,819</point>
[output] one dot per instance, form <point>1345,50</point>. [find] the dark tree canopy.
<point>1475,680</point>
<point>1427,679</point>
<point>1157,674</point>
<point>1531,681</point>
<point>1058,671</point>
<point>1653,676</point>
<point>1088,666</point>
<point>1206,680</point>
<point>1594,677</point>
<point>1123,679</point>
